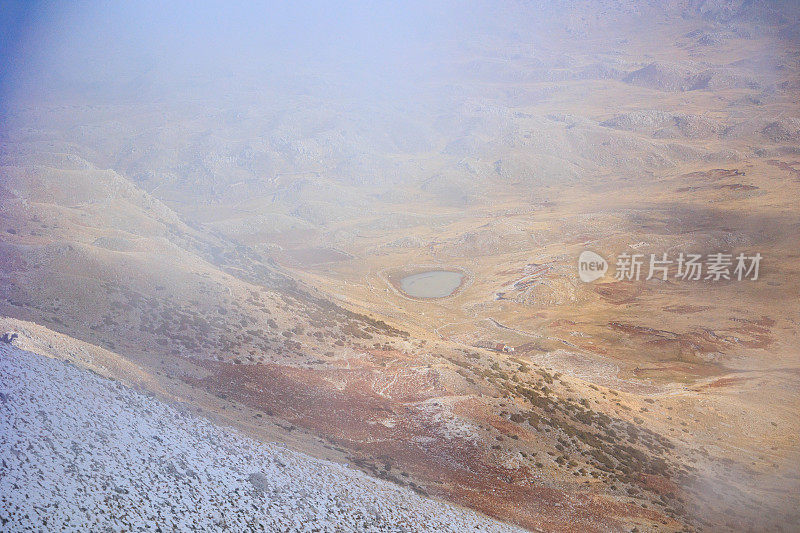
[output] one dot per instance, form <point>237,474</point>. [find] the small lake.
<point>432,284</point>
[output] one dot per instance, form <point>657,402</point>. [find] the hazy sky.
<point>55,48</point>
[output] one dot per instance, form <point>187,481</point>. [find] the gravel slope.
<point>79,452</point>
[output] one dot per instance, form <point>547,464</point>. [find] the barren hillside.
<point>81,452</point>
<point>235,239</point>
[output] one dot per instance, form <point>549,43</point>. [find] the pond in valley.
<point>431,284</point>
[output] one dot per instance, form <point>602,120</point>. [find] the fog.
<point>118,50</point>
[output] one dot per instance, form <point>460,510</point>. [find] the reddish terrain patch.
<point>788,167</point>
<point>738,187</point>
<point>714,174</point>
<point>685,309</point>
<point>403,417</point>
<point>618,292</point>
<point>753,333</point>
<point>727,382</point>
<point>700,340</point>
<point>658,484</point>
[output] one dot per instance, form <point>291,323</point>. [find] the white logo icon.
<point>591,266</point>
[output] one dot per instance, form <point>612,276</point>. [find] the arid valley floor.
<point>239,257</point>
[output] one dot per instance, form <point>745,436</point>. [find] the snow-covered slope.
<point>79,452</point>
